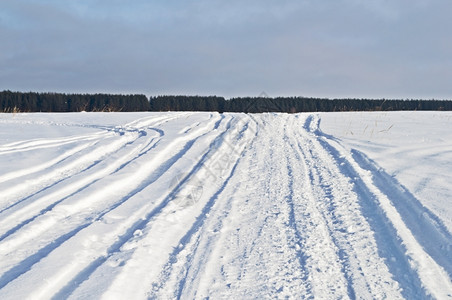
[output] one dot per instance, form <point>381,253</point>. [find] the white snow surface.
<point>226,206</point>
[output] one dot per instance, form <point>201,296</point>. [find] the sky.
<point>324,48</point>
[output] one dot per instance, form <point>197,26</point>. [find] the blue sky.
<point>340,48</point>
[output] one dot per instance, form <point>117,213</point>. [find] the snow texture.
<point>226,206</point>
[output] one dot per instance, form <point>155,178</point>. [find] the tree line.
<point>290,104</point>
<point>59,102</point>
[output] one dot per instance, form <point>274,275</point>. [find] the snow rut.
<point>197,205</point>
<point>413,241</point>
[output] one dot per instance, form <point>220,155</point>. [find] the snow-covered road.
<point>197,205</point>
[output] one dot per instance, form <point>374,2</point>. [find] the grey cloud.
<point>322,48</point>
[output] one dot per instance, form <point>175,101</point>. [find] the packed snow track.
<point>207,205</point>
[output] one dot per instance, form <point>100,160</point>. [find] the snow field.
<point>195,205</point>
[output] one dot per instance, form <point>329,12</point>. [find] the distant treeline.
<point>289,104</point>
<point>57,102</point>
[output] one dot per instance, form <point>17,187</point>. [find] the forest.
<point>60,102</point>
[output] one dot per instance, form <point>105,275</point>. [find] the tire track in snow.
<point>157,223</point>
<point>323,257</point>
<point>188,140</point>
<point>108,132</point>
<point>43,203</point>
<point>366,272</point>
<point>325,285</point>
<point>280,193</point>
<point>180,263</point>
<point>38,206</point>
<point>187,264</point>
<point>198,269</point>
<point>73,190</point>
<point>67,171</point>
<point>264,258</point>
<point>77,165</point>
<point>17,194</point>
<point>43,166</point>
<point>41,228</point>
<point>87,181</point>
<point>136,223</point>
<point>26,146</point>
<point>428,229</point>
<point>296,201</point>
<point>399,243</point>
